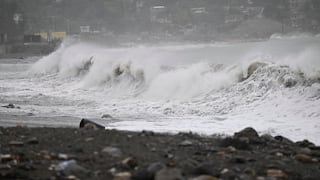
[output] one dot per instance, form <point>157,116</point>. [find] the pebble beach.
<point>90,153</point>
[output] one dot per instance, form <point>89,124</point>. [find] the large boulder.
<point>88,124</point>
<point>248,132</point>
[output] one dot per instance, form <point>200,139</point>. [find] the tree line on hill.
<point>134,16</point>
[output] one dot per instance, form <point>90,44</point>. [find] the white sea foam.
<point>208,88</point>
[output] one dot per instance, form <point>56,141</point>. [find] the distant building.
<point>253,11</point>
<point>239,11</point>
<point>139,5</point>
<point>234,18</point>
<point>84,29</point>
<point>297,15</point>
<point>11,27</point>
<point>159,14</point>
<point>199,10</point>
<point>58,35</point>
<point>32,39</point>
<point>44,37</point>
<point>12,31</point>
<point>17,18</point>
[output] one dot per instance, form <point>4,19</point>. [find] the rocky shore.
<point>70,153</point>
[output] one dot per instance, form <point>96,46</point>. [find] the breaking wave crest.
<point>184,72</point>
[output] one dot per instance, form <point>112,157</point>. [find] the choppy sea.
<point>272,86</point>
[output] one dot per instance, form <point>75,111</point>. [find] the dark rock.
<point>107,116</point>
<point>306,151</point>
<point>305,143</point>
<point>235,143</point>
<point>317,148</point>
<point>188,164</point>
<point>5,167</point>
<point>274,163</point>
<point>142,174</point>
<point>168,111</point>
<point>78,150</point>
<point>251,160</point>
<point>253,67</point>
<point>33,140</point>
<point>130,162</point>
<point>169,174</point>
<point>310,177</point>
<point>239,159</point>
<point>6,157</point>
<point>147,133</point>
<point>247,177</point>
<point>155,167</point>
<point>10,106</point>
<point>28,166</point>
<point>288,83</point>
<point>267,138</point>
<point>204,177</point>
<point>303,158</point>
<point>148,173</point>
<point>12,174</point>
<point>283,140</point>
<point>315,153</point>
<point>247,133</point>
<point>212,149</point>
<point>189,134</point>
<point>88,124</point>
<point>206,169</point>
<point>249,171</point>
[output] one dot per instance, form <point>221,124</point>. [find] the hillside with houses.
<point>44,21</point>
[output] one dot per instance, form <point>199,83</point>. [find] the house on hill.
<point>260,27</point>
<point>11,26</point>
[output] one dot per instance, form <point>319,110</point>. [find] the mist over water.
<point>272,86</point>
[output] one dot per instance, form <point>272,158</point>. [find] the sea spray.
<point>271,85</point>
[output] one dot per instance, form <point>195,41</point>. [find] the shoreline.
<point>72,153</point>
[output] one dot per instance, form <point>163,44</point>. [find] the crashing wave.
<point>195,71</point>
<point>277,75</point>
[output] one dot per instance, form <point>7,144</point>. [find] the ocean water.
<point>272,86</point>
